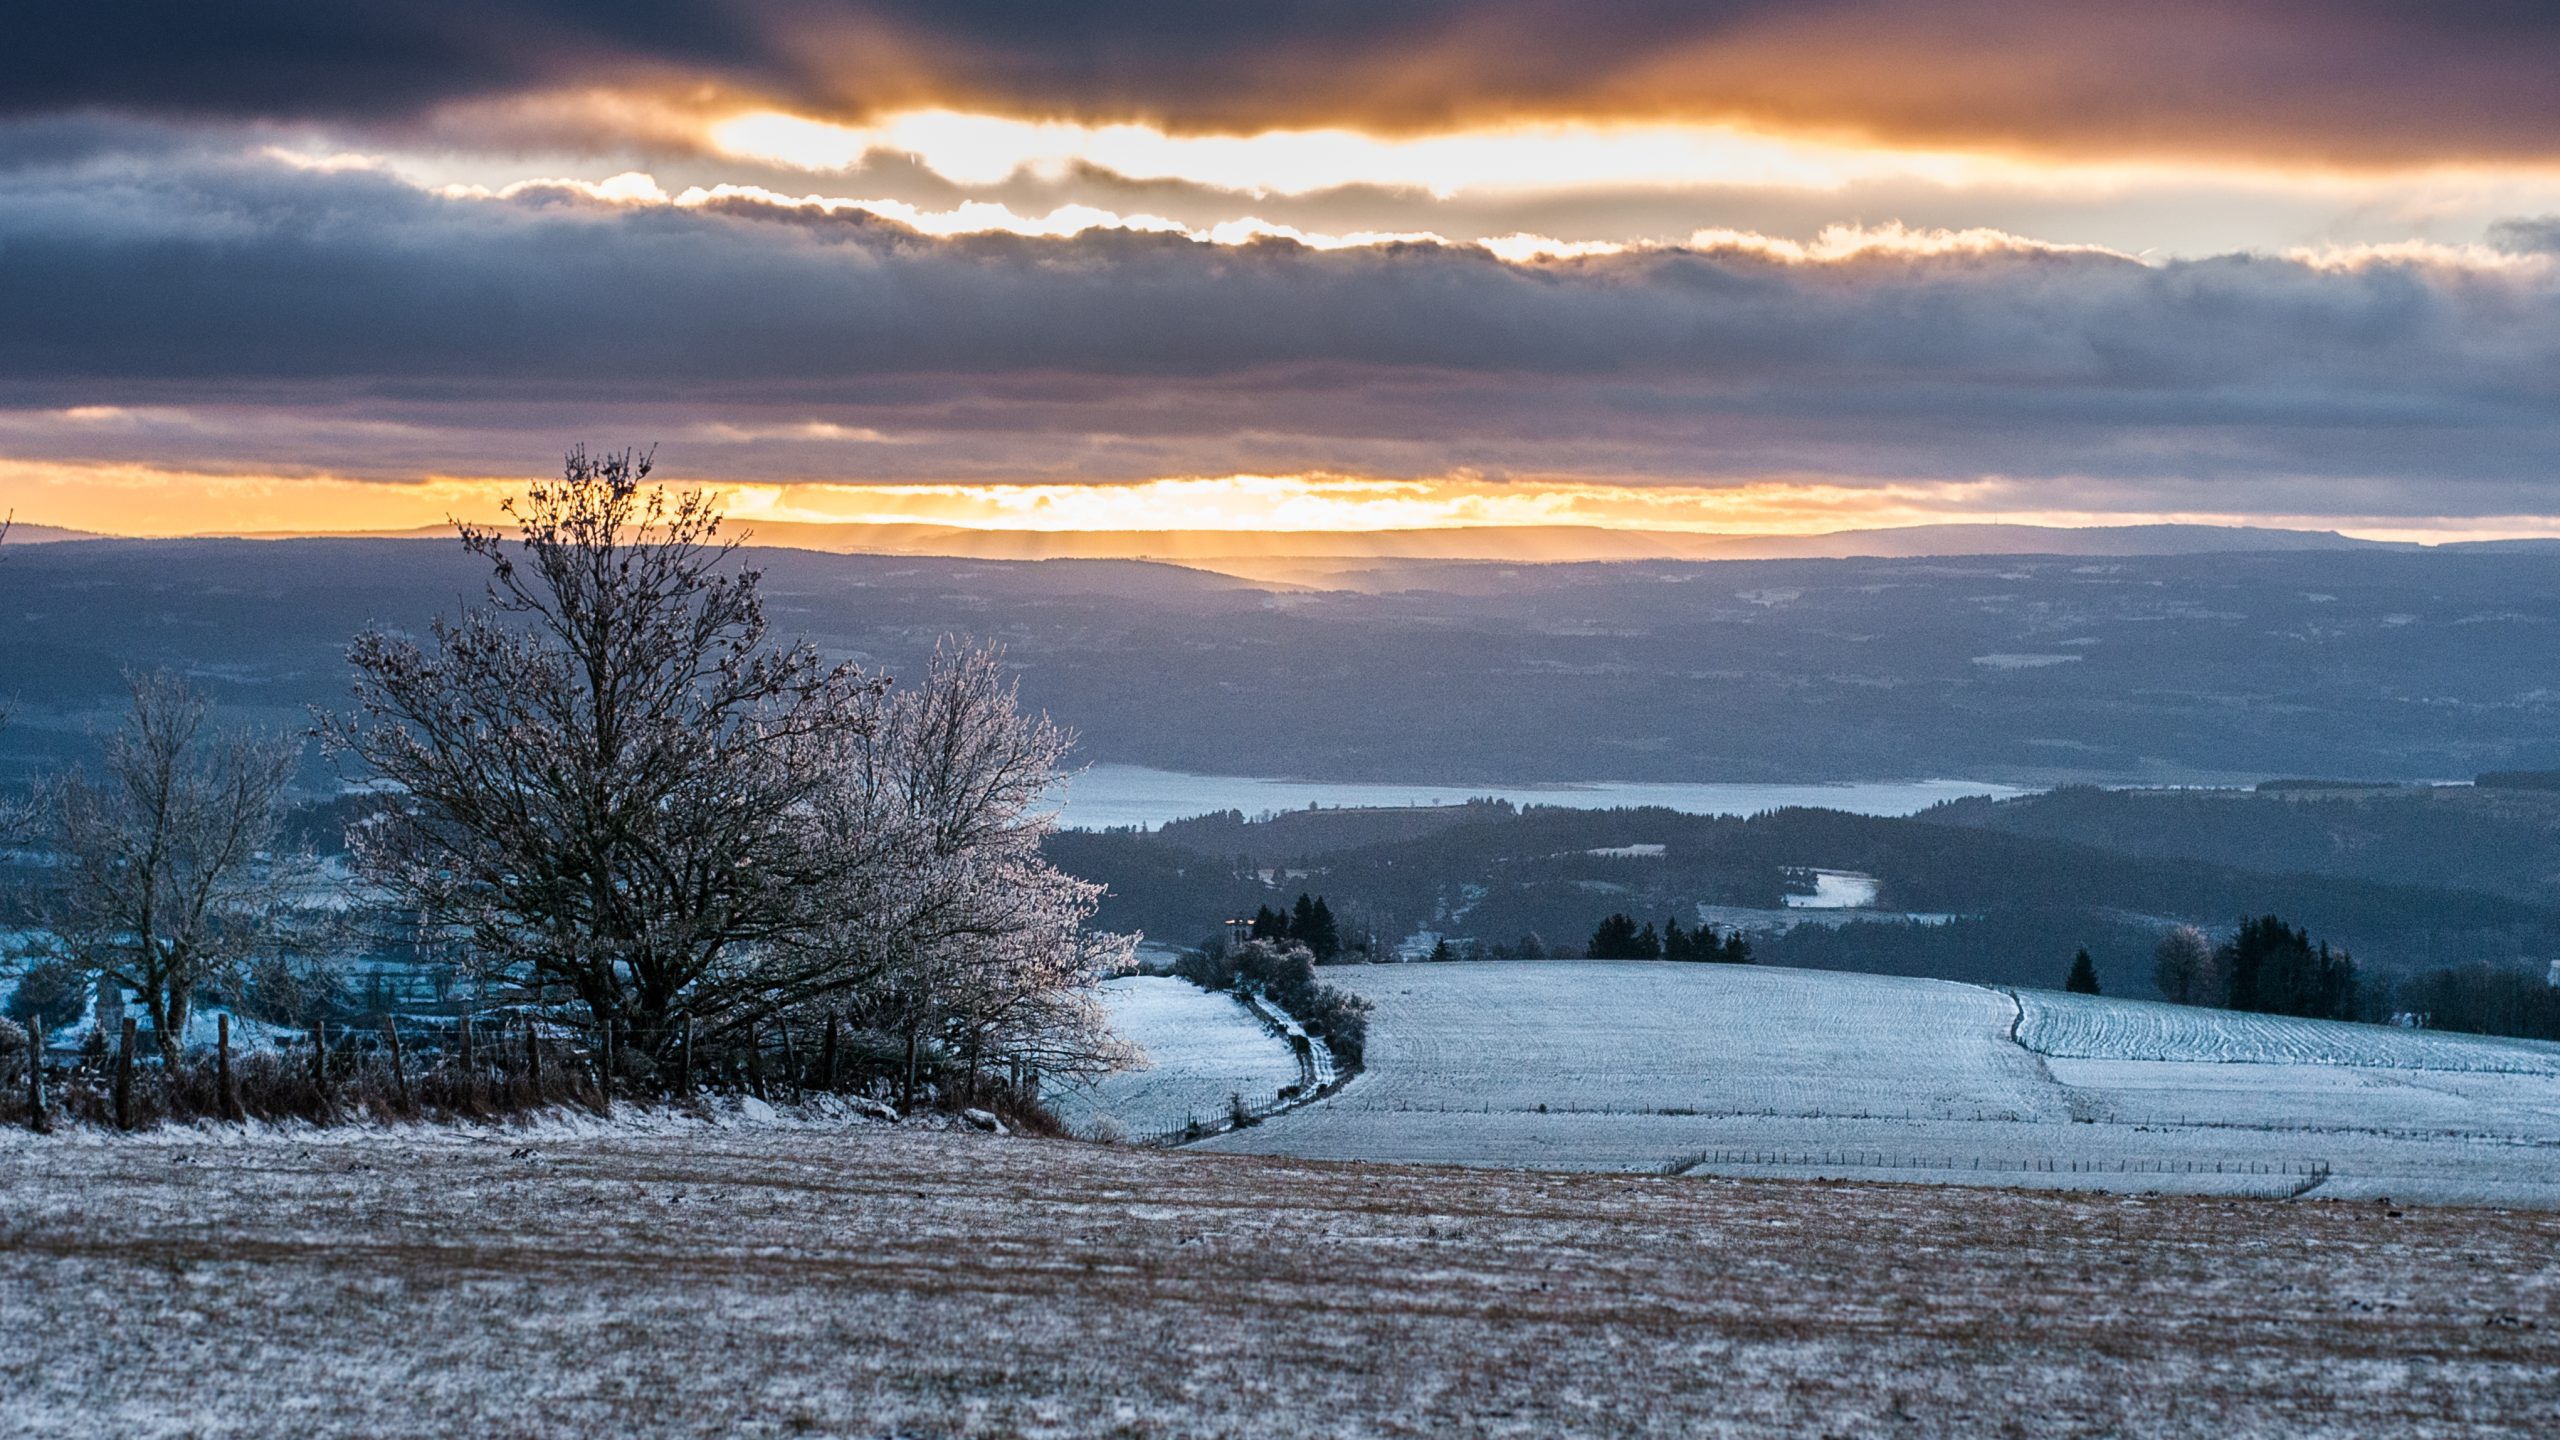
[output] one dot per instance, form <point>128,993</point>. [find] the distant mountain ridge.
<point>21,532</point>
<point>1324,558</point>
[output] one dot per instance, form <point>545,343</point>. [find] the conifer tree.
<point>1675,941</point>
<point>2083,979</point>
<point>1614,939</point>
<point>1311,924</point>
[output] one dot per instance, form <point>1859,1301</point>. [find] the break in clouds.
<point>175,302</point>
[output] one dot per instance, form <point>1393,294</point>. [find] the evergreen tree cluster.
<point>2274,969</point>
<point>1309,922</point>
<point>2267,966</point>
<point>1619,938</point>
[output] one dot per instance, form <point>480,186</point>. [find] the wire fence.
<point>2313,1171</point>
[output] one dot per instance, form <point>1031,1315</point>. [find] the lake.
<point>1108,796</point>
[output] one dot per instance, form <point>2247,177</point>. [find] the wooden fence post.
<point>124,1076</point>
<point>225,1095</point>
<point>399,1070</point>
<point>35,1073</point>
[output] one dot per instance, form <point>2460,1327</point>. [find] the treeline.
<point>1617,938</point>
<point>2481,999</point>
<point>2267,967</point>
<point>1285,972</point>
<point>1537,871</point>
<point>1309,922</point>
<point>2505,841</point>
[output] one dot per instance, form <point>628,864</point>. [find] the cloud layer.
<point>196,308</point>
<point>2349,80</point>
<point>2278,257</point>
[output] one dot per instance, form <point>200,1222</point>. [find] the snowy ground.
<point>1201,1049</point>
<point>1751,1070</point>
<point>2082,1027</point>
<point>870,1281</point>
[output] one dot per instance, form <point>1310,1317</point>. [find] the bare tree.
<point>599,779</point>
<point>2184,969</point>
<point>167,878</point>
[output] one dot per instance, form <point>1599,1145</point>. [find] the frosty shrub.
<point>51,987</point>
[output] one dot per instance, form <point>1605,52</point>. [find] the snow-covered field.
<point>858,1280</point>
<point>1200,1049</point>
<point>2080,1027</point>
<point>1750,1070</point>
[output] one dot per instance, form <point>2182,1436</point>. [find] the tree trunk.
<point>827,1057</point>
<point>684,1073</point>
<point>35,1073</point>
<point>907,1089</point>
<point>172,1023</point>
<point>226,1095</point>
<point>399,1070</point>
<point>124,1076</point>
<point>755,1063</point>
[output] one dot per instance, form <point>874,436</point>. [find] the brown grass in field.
<point>881,1281</point>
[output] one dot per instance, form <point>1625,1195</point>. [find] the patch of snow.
<point>1837,890</point>
<point>2024,662</point>
<point>1198,1050</point>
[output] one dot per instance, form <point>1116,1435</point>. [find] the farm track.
<point>873,1281</point>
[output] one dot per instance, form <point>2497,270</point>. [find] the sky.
<point>1737,266</point>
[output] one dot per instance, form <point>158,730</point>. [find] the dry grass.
<point>877,1281</point>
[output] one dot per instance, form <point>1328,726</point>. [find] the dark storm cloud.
<point>381,59</point>
<point>244,285</point>
<point>2354,79</point>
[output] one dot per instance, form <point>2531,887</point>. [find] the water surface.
<point>1110,796</point>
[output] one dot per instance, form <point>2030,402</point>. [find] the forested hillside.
<point>2019,904</point>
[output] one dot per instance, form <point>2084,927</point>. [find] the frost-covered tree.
<point>168,878</point>
<point>611,779</point>
<point>2183,968</point>
<point>939,919</point>
<point>599,778</point>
